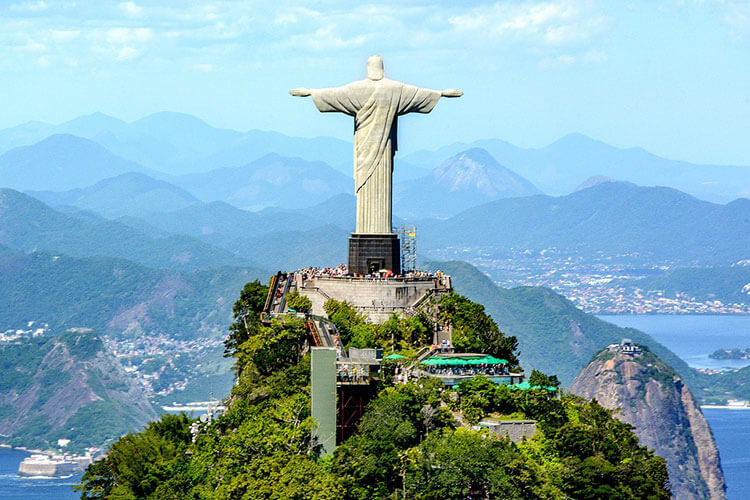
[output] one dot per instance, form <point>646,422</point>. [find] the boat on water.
<point>39,465</point>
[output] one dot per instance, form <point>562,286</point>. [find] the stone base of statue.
<point>369,253</point>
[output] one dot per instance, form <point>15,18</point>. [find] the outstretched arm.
<point>451,93</point>
<point>419,100</point>
<point>337,99</point>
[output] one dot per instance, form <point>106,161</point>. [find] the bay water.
<point>14,487</point>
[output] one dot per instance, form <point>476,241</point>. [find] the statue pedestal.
<point>370,253</point>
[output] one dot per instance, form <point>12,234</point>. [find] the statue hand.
<point>300,92</point>
<point>452,93</point>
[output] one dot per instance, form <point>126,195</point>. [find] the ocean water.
<point>13,487</point>
<point>732,433</point>
<point>693,338</point>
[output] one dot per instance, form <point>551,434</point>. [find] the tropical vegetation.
<point>415,440</point>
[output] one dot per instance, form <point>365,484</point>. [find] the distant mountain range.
<point>461,182</point>
<point>272,180</point>
<point>559,167</point>
<point>614,218</point>
<point>651,225</point>
<point>117,296</point>
<point>26,224</point>
<point>126,194</point>
<point>61,162</point>
<point>175,144</point>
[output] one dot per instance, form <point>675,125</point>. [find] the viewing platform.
<point>453,368</point>
<point>376,296</point>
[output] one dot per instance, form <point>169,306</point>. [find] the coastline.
<point>725,407</point>
<point>27,450</point>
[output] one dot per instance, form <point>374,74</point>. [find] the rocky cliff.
<point>655,400</point>
<point>69,386</point>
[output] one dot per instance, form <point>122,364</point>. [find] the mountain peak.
<point>476,169</point>
<point>578,142</point>
<point>656,401</point>
<point>60,162</point>
<point>592,181</point>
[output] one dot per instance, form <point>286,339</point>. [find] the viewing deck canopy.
<point>525,386</point>
<point>463,361</point>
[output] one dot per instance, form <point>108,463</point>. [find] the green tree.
<point>465,464</point>
<point>246,314</point>
<point>346,318</point>
<point>138,465</point>
<point>474,330</point>
<point>542,380</point>
<point>298,302</point>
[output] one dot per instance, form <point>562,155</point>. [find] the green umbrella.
<point>394,356</point>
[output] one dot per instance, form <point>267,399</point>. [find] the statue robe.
<point>375,106</point>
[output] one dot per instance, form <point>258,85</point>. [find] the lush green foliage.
<point>400,333</point>
<point>298,302</point>
<point>409,445</point>
<point>246,313</point>
<point>474,330</point>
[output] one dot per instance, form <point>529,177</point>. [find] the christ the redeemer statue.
<point>375,103</point>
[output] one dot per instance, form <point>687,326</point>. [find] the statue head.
<point>375,68</point>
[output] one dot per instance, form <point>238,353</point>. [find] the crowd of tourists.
<point>342,271</point>
<point>322,272</point>
<point>352,373</point>
<point>467,371</point>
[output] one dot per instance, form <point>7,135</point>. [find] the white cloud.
<point>595,56</point>
<point>738,19</point>
<point>592,56</point>
<point>502,18</point>
<point>559,61</point>
<point>64,35</point>
<point>131,9</point>
<point>127,35</point>
<point>32,46</point>
<point>30,6</point>
<point>325,38</point>
<point>127,53</point>
<point>202,67</point>
<point>286,18</point>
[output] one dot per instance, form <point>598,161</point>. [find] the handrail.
<point>271,292</point>
<point>282,302</point>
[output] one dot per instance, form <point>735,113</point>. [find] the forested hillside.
<point>413,440</point>
<point>115,295</point>
<point>651,224</point>
<point>27,224</point>
<point>69,386</point>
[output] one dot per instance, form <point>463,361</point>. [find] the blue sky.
<point>671,76</point>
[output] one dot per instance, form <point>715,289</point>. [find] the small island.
<point>730,354</point>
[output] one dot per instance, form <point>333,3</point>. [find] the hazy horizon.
<point>669,76</point>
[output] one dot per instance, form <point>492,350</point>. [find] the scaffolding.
<point>408,237</point>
